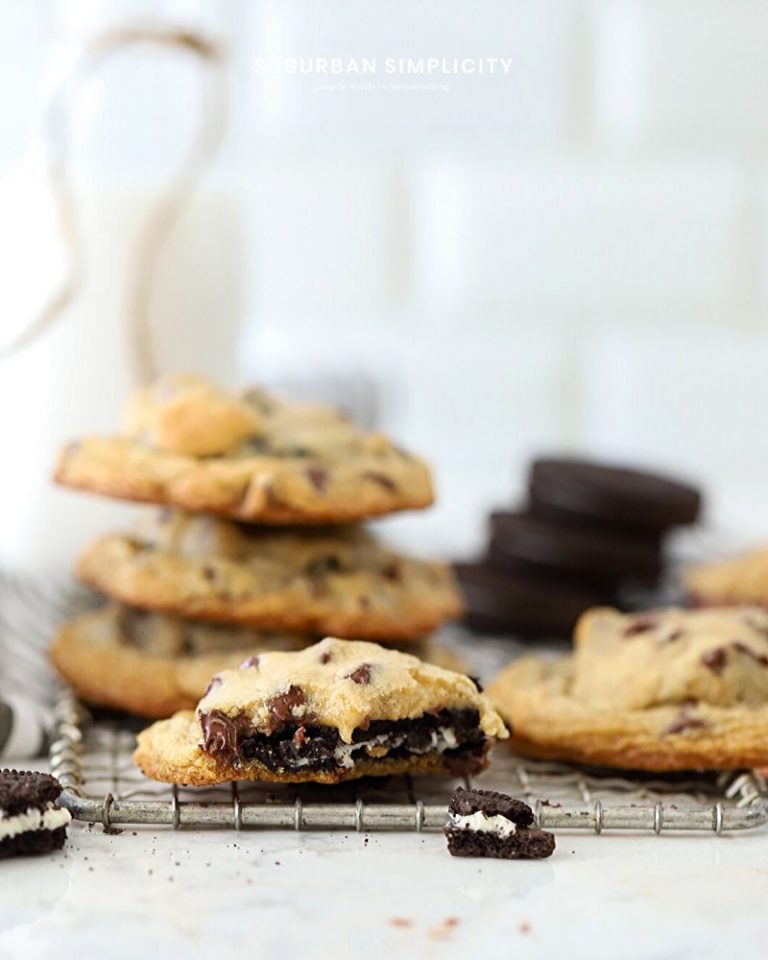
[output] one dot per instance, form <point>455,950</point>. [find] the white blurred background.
<point>571,256</point>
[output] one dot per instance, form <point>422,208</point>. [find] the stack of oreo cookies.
<point>255,542</point>
<point>588,533</point>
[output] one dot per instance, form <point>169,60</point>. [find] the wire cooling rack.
<point>92,760</point>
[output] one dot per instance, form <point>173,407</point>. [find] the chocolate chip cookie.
<point>666,690</point>
<point>154,665</point>
<point>250,456</point>
<point>315,581</point>
<point>729,582</point>
<point>336,711</point>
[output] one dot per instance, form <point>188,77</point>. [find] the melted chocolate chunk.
<point>318,478</point>
<point>362,675</point>
<point>314,747</point>
<point>281,707</point>
<point>715,659</point>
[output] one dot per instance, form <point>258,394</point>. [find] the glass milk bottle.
<point>155,256</point>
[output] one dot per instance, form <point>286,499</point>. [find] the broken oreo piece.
<point>484,823</point>
<point>30,820</point>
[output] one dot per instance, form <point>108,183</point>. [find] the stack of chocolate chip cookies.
<point>587,532</point>
<point>254,543</point>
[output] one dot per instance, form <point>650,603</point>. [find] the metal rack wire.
<point>101,785</point>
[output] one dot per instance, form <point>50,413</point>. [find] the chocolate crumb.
<point>402,922</point>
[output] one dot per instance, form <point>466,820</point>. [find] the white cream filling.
<point>481,823</point>
<point>48,819</point>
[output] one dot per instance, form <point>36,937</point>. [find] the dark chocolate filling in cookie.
<point>455,734</point>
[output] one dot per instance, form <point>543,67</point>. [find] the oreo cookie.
<point>633,499</point>
<point>499,602</point>
<point>31,821</point>
<point>524,542</point>
<point>484,823</point>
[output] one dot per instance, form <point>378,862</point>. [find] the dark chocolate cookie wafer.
<point>607,493</point>
<point>30,820</point>
<point>484,823</point>
<point>597,556</point>
<point>498,601</point>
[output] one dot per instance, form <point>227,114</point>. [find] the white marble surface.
<point>155,893</point>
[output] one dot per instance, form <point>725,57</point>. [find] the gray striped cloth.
<point>30,611</point>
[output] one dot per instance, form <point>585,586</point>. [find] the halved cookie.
<point>315,581</point>
<point>665,690</point>
<point>248,456</point>
<point>336,711</point>
<point>154,665</point>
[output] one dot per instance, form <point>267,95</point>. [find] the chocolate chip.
<point>715,660</point>
<point>282,706</point>
<point>381,479</point>
<point>747,651</point>
<point>252,661</point>
<point>477,683</point>
<point>642,625</point>
<point>209,573</point>
<point>215,682</point>
<point>325,657</point>
<point>322,566</point>
<point>392,572</point>
<point>361,675</point>
<point>318,478</point>
<point>685,722</point>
